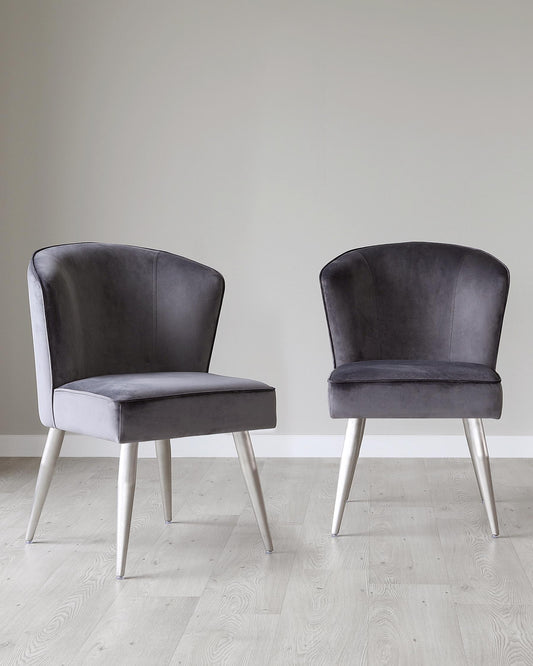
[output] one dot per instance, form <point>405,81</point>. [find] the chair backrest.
<point>100,309</point>
<point>427,301</point>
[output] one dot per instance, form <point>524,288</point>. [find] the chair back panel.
<point>427,301</point>
<point>100,309</point>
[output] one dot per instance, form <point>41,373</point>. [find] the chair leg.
<point>46,472</point>
<point>478,481</point>
<point>164,458</point>
<point>127,475</point>
<point>245,451</point>
<point>350,454</point>
<point>475,436</point>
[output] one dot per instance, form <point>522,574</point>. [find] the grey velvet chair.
<point>415,329</point>
<point>123,338</point>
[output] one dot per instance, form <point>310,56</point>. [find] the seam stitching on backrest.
<point>154,363</point>
<point>375,298</point>
<point>452,320</point>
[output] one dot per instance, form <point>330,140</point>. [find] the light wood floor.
<point>414,578</point>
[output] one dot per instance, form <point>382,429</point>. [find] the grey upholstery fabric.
<point>157,405</point>
<point>437,304</point>
<point>414,389</point>
<point>113,321</point>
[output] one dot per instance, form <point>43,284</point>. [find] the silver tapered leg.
<point>245,451</point>
<point>46,472</point>
<point>350,454</point>
<point>162,449</point>
<point>127,475</point>
<point>475,468</point>
<point>475,436</point>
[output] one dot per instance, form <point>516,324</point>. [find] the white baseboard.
<point>281,446</point>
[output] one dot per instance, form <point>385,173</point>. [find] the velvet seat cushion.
<point>414,389</point>
<point>160,405</point>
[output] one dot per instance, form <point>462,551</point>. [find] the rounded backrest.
<point>427,301</point>
<point>101,309</point>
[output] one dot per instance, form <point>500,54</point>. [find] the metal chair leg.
<point>127,475</point>
<point>245,451</point>
<point>475,436</point>
<point>46,472</point>
<point>350,454</point>
<point>164,458</point>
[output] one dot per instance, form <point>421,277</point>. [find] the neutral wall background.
<point>265,138</point>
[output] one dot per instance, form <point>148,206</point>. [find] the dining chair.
<point>415,329</point>
<point>123,339</point>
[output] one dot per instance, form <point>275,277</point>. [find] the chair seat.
<point>161,405</point>
<point>414,389</point>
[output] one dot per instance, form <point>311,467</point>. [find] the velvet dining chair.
<point>415,329</point>
<point>123,338</point>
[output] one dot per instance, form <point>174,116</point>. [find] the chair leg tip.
<point>168,522</point>
<point>29,540</point>
<point>495,536</point>
<point>269,552</point>
<point>120,577</point>
<point>334,534</point>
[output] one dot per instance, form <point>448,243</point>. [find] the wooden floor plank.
<point>482,569</point>
<point>497,634</point>
<point>324,619</point>
<point>287,485</point>
<point>405,546</point>
<point>137,631</point>
<point>63,611</point>
<point>414,625</point>
<point>399,481</point>
<point>180,560</point>
<point>217,634</point>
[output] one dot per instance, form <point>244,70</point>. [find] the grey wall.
<point>264,138</point>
